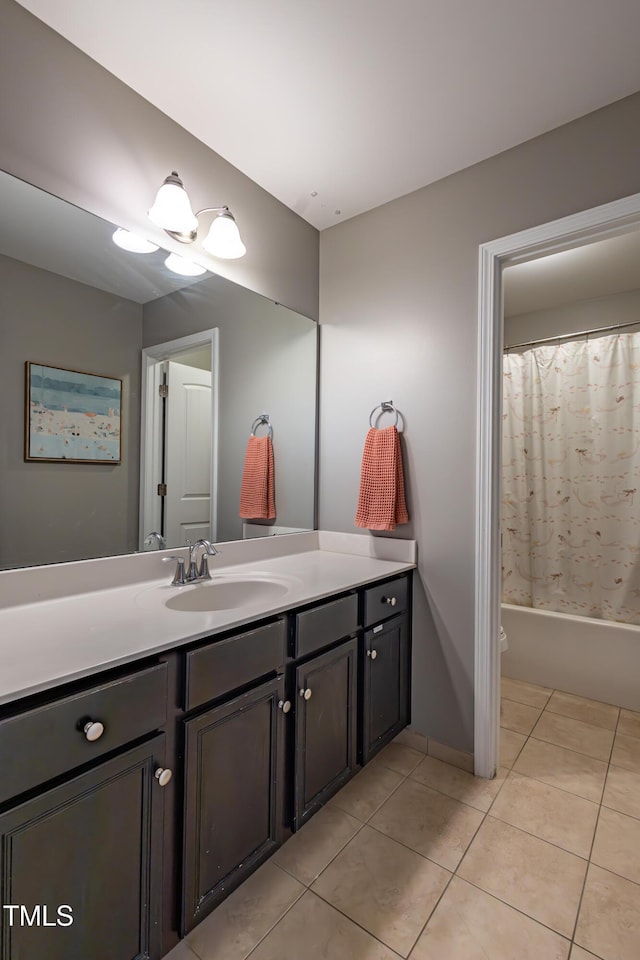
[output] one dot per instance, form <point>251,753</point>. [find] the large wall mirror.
<point>71,299</point>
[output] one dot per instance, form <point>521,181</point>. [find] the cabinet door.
<point>326,692</point>
<point>385,684</point>
<point>93,845</point>
<point>234,784</point>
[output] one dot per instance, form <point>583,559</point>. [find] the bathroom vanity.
<point>139,795</point>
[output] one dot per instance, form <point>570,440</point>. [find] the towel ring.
<point>262,419</point>
<point>385,407</point>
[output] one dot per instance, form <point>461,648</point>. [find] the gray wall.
<point>398,307</point>
<point>573,317</point>
<point>65,511</point>
<point>267,364</point>
<point>70,127</point>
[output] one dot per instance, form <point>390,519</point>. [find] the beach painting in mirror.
<point>71,416</point>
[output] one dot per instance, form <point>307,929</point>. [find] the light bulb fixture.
<point>172,212</point>
<point>186,268</point>
<point>132,242</point>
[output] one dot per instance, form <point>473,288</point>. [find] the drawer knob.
<point>93,730</point>
<point>372,653</point>
<point>163,776</point>
<point>390,600</point>
<point>284,705</point>
<point>306,694</point>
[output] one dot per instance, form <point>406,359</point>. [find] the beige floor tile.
<point>511,743</point>
<point>626,752</point>
<point>309,850</point>
<point>458,783</point>
<point>384,887</point>
<point>180,952</point>
<point>244,918</point>
<point>548,813</point>
<point>315,931</point>
<point>468,924</point>
<point>577,953</point>
<point>432,824</point>
<point>368,790</point>
<point>629,723</point>
<point>563,768</point>
<point>411,738</point>
<point>622,791</point>
<point>617,845</point>
<point>457,758</point>
<point>530,693</point>
<point>609,920</point>
<point>575,735</point>
<point>590,711</point>
<point>398,757</point>
<point>530,874</point>
<point>518,716</point>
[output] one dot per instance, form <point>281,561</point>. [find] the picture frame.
<point>72,416</point>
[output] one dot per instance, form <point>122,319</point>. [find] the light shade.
<point>223,239</point>
<point>132,242</point>
<point>186,268</point>
<point>172,209</point>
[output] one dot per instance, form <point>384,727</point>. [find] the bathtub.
<point>591,658</point>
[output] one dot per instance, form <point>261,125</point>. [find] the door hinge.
<point>162,489</point>
<point>163,390</point>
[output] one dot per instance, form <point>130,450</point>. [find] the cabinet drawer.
<point>384,600</point>
<point>226,665</point>
<point>49,740</point>
<point>325,624</point>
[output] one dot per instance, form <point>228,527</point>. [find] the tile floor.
<point>416,858</point>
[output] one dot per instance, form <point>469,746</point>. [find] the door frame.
<point>151,426</point>
<point>607,220</point>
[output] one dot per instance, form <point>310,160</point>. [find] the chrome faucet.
<point>157,539</point>
<point>200,571</point>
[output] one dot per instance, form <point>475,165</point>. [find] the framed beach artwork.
<point>71,417</point>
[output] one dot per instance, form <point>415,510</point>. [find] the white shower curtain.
<point>571,478</point>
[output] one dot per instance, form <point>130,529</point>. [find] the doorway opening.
<point>608,220</point>
<point>179,441</point>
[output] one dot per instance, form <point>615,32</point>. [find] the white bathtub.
<point>591,658</point>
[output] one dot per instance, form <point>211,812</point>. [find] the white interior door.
<point>188,454</point>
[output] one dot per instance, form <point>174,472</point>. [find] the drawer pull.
<point>163,776</point>
<point>93,730</point>
<point>306,694</point>
<point>284,705</point>
<point>372,653</point>
<point>392,601</point>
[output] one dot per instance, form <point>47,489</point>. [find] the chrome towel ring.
<point>263,418</point>
<point>385,407</point>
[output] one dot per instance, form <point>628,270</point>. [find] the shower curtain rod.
<point>573,336</point>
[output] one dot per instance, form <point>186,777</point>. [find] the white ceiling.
<point>587,272</point>
<point>360,101</point>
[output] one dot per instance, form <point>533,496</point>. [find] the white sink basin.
<point>227,593</point>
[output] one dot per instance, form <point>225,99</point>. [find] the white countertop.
<point>62,638</point>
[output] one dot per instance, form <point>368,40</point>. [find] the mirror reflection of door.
<point>179,449</point>
<point>187,504</point>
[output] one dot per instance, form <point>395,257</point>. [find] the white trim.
<point>610,219</point>
<point>151,428</point>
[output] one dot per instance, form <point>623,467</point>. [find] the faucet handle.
<point>204,568</point>
<point>179,578</point>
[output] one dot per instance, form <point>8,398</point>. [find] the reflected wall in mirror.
<point>70,298</point>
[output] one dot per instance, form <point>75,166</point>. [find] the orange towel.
<point>257,490</point>
<point>381,502</point>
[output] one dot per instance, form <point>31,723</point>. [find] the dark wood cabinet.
<point>92,844</point>
<point>234,787</point>
<point>385,686</point>
<point>325,727</point>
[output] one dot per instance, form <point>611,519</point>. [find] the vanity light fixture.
<point>172,212</point>
<point>132,242</point>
